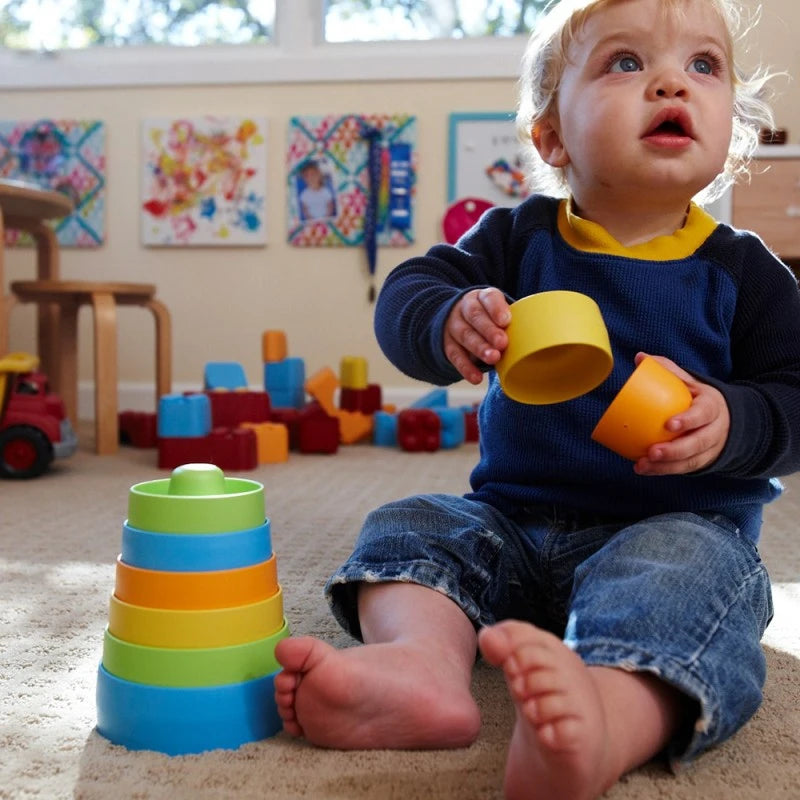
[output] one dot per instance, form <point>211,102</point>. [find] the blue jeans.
<point>682,596</point>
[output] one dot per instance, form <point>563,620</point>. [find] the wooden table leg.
<point>63,376</point>
<point>105,373</point>
<point>163,347</point>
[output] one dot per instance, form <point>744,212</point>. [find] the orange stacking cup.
<point>196,590</point>
<point>637,416</point>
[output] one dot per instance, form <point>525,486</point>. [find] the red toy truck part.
<point>34,428</point>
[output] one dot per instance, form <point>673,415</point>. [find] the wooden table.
<point>26,207</point>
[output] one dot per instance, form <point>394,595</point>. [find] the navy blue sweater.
<point>711,298</point>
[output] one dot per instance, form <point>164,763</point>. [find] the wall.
<point>222,299</point>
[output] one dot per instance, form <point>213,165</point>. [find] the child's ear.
<point>547,140</point>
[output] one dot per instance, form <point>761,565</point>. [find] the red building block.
<point>231,408</point>
<point>234,449</point>
<point>367,401</point>
<point>138,428</point>
<point>176,450</point>
<point>471,425</point>
<point>419,429</point>
<point>290,417</point>
<point>317,432</point>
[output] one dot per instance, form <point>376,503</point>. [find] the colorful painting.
<point>204,181</point>
<point>330,161</point>
<point>485,158</point>
<point>66,156</point>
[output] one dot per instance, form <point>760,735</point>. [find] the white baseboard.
<point>141,396</point>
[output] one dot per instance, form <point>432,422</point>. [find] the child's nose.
<point>670,83</point>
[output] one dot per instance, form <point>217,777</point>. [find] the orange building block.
<point>322,386</point>
<point>273,346</point>
<point>272,441</point>
<point>354,426</point>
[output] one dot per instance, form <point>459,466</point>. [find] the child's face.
<point>645,105</point>
<point>312,176</point>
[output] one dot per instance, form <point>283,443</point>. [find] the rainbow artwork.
<point>204,181</point>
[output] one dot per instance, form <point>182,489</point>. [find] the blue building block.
<point>284,381</point>
<point>224,375</point>
<point>184,415</point>
<point>433,399</point>
<point>384,431</point>
<point>454,429</point>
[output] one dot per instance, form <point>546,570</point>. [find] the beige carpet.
<point>59,537</point>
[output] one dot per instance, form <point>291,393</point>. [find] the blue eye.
<point>624,64</point>
<point>703,65</point>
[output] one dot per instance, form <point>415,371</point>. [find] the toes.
<point>300,654</point>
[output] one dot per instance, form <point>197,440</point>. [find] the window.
<point>73,43</point>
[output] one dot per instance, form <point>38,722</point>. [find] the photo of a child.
<point>317,199</point>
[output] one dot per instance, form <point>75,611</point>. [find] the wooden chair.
<point>103,298</point>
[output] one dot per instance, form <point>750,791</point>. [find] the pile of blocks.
<point>237,428</point>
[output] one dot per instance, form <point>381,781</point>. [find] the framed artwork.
<point>484,158</point>
<point>203,181</point>
<point>330,160</point>
<point>65,155</point>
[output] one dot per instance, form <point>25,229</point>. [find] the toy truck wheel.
<point>25,452</point>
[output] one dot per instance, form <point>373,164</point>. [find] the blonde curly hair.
<point>545,59</point>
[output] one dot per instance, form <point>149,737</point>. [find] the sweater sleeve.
<point>418,295</point>
<point>763,395</point>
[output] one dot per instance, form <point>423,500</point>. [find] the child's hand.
<point>475,331</point>
<point>703,428</point>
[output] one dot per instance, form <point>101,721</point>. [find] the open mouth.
<point>670,123</point>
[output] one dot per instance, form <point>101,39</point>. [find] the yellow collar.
<point>593,238</point>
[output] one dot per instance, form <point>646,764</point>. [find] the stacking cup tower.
<point>189,650</point>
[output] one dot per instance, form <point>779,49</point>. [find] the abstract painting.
<point>66,156</point>
<point>204,181</point>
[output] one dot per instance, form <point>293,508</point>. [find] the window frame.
<point>298,55</point>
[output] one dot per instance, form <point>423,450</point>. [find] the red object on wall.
<point>419,429</point>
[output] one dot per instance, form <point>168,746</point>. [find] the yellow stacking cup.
<point>558,348</point>
<point>217,627</point>
<point>196,590</point>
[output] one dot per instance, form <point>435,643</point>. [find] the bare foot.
<point>373,696</point>
<point>560,748</point>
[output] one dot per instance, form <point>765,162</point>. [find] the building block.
<point>434,398</point>
<point>284,381</point>
<point>384,433</point>
<point>176,450</point>
<point>138,428</point>
<point>353,372</point>
<point>471,433</point>
<point>453,427</point>
<point>233,448</point>
<point>419,429</point>
<point>322,386</point>
<point>354,426</point>
<point>273,346</point>
<point>230,409</point>
<point>184,415</point>
<point>367,401</point>
<point>272,441</point>
<point>224,375</point>
<point>317,432</point>
<point>290,417</point>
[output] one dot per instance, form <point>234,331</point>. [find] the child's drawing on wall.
<point>204,181</point>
